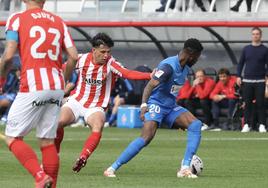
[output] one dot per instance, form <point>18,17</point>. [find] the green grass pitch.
<point>231,160</point>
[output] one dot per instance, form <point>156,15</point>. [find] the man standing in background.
<point>254,61</point>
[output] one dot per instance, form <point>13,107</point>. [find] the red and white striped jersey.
<point>96,81</point>
<point>42,36</point>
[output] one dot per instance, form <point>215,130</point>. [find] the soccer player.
<point>40,37</point>
<point>159,106</point>
<point>96,78</point>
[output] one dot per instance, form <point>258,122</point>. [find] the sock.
<point>50,161</point>
<point>133,149</point>
<point>27,157</point>
<point>91,144</point>
<point>112,118</point>
<point>59,138</point>
<point>193,140</point>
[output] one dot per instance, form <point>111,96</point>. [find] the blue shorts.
<point>163,114</point>
<point>8,96</point>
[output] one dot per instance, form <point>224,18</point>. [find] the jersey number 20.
<point>42,38</point>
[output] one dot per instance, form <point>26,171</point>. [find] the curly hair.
<point>193,45</point>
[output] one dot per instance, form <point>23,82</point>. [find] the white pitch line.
<point>181,139</point>
<point>167,139</point>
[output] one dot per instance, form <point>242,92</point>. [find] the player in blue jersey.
<point>159,106</point>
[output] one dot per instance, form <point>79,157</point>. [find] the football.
<point>196,165</point>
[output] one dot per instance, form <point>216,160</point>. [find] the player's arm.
<point>71,62</point>
<point>118,69</point>
<point>6,59</point>
<point>71,84</point>
<point>163,73</point>
<point>72,55</point>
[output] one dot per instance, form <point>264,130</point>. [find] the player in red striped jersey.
<point>40,37</point>
<point>97,73</point>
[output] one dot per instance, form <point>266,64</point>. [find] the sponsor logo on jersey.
<point>93,81</point>
<point>49,101</point>
<point>158,73</point>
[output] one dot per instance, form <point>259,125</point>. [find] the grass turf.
<point>231,159</point>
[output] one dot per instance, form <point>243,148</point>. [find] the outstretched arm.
<point>118,69</point>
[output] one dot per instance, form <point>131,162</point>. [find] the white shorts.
<point>79,110</point>
<point>39,109</point>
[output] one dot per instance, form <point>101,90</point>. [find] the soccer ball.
<point>196,165</point>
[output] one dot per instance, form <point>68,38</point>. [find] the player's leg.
<point>182,118</point>
<point>50,159</point>
<point>27,157</point>
<point>22,115</point>
<point>95,118</point>
<point>68,114</point>
<point>148,132</point>
<point>46,132</point>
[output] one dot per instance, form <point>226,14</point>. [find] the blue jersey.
<point>172,77</point>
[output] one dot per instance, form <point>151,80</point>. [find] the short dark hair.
<point>257,28</point>
<point>224,71</point>
<point>102,39</point>
<point>193,45</point>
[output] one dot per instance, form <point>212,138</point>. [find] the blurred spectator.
<point>9,93</point>
<point>254,62</point>
<point>190,7</point>
<point>118,97</point>
<point>239,2</point>
<point>163,5</point>
<point>126,92</point>
<point>223,96</point>
<point>200,4</point>
<point>197,96</point>
<point>135,96</point>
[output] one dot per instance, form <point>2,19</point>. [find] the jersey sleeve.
<point>67,38</point>
<point>13,23</point>
<point>121,71</point>
<point>163,73</point>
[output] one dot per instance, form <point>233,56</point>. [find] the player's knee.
<point>147,138</point>
<point>9,140</point>
<point>195,126</point>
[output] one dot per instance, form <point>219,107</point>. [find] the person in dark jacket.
<point>254,61</point>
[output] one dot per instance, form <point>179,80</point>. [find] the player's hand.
<point>143,111</point>
<point>196,82</point>
<point>238,81</point>
<point>152,73</point>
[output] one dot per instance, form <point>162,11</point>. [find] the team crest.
<point>152,115</point>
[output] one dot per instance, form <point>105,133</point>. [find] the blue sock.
<point>133,149</point>
<point>112,118</point>
<point>193,140</point>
